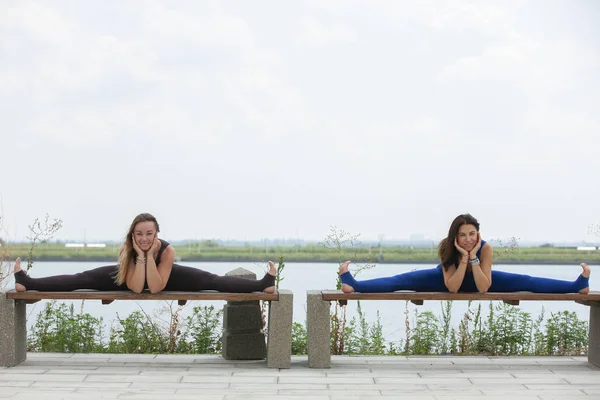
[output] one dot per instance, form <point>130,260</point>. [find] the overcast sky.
<point>277,119</point>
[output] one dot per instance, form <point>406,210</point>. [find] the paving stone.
<point>425,381</point>
<point>303,392</point>
<point>229,392</point>
<point>230,379</point>
<point>463,397</point>
<point>198,376</point>
<point>132,378</point>
<point>40,378</point>
<point>549,380</point>
<point>500,391</point>
<point>328,380</point>
<point>76,385</point>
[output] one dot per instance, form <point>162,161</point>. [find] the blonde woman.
<point>145,263</point>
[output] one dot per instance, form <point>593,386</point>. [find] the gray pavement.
<point>50,376</point>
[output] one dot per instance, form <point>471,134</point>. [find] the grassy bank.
<point>210,251</point>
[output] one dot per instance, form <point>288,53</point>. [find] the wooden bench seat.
<point>13,329</point>
<point>33,296</point>
<point>319,328</point>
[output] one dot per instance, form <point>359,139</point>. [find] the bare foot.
<point>18,286</point>
<point>586,274</point>
<point>272,268</point>
<point>343,269</point>
<point>272,271</point>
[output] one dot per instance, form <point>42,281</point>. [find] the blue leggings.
<point>432,280</point>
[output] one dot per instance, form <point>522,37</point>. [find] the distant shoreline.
<point>211,252</point>
<point>109,261</point>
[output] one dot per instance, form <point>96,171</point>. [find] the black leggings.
<point>184,279</point>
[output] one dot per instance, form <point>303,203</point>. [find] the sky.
<point>276,119</point>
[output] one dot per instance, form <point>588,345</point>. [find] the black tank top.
<point>163,246</point>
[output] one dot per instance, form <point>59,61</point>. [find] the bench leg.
<point>318,324</point>
<point>13,332</point>
<point>594,339</point>
<point>279,339</point>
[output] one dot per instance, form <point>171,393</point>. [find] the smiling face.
<point>144,234</point>
<point>467,236</point>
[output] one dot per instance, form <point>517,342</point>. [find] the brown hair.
<point>446,249</point>
<point>126,253</point>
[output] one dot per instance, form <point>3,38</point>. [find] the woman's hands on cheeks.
<point>464,254</point>
<point>473,253</point>
<point>155,247</point>
<point>140,252</point>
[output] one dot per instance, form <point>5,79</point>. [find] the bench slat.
<point>107,297</point>
<point>510,298</point>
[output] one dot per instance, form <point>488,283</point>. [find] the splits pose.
<point>145,262</point>
<point>466,266</point>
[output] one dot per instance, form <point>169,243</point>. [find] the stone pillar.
<point>318,326</point>
<point>242,324</point>
<point>594,338</point>
<point>13,331</point>
<point>279,341</point>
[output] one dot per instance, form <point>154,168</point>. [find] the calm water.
<point>300,277</point>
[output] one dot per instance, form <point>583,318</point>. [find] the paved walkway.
<point>48,376</point>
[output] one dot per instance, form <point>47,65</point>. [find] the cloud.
<point>318,34</point>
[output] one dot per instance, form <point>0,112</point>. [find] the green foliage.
<point>507,330</point>
<point>59,329</point>
<point>299,339</point>
<point>364,338</point>
<point>425,337</point>
<point>204,330</point>
<point>137,333</point>
<point>566,335</point>
<point>280,268</point>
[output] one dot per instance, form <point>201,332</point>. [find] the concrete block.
<point>242,317</point>
<point>594,338</point>
<point>242,324</point>
<point>244,346</point>
<point>279,340</point>
<point>318,325</point>
<point>13,332</point>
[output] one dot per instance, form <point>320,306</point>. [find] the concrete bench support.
<point>13,332</point>
<point>318,326</point>
<point>279,338</point>
<point>594,341</point>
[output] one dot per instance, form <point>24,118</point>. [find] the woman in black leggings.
<point>145,262</point>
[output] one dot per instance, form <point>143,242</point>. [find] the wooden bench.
<point>13,329</point>
<point>319,328</point>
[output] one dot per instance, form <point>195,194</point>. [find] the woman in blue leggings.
<point>466,266</point>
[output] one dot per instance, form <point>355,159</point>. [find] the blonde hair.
<point>126,252</point>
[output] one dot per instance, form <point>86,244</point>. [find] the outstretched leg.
<point>511,282</point>
<point>101,278</point>
<point>425,280</point>
<point>189,279</point>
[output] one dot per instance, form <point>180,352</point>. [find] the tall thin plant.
<point>40,232</point>
<point>344,244</point>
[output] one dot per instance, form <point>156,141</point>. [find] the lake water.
<point>300,277</point>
